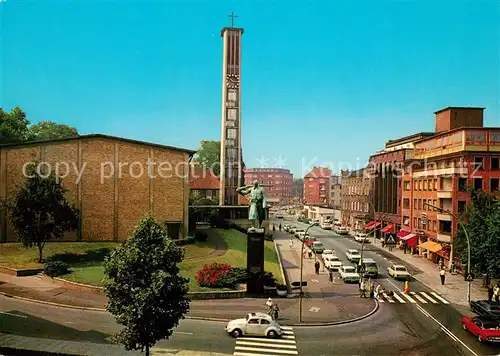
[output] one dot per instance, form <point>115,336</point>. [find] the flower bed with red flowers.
<point>220,275</point>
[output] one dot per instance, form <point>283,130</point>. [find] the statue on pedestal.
<point>257,203</point>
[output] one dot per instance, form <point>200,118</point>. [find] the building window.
<point>407,185</point>
<point>415,204</point>
<point>406,220</point>
<point>494,162</point>
<point>462,184</point>
<point>420,185</point>
<point>435,184</point>
<point>494,184</point>
<point>429,184</point>
<point>406,203</point>
<point>232,97</point>
<point>478,183</point>
<point>173,230</point>
<point>461,206</point>
<point>415,185</point>
<point>478,163</point>
<point>434,203</point>
<point>415,223</point>
<point>424,185</point>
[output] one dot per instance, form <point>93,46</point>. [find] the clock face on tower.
<point>232,81</point>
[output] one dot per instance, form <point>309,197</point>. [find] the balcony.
<point>445,194</point>
<point>444,217</point>
<point>444,237</point>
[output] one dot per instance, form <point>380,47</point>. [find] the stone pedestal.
<point>255,261</point>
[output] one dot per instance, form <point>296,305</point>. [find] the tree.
<point>39,210</point>
<point>209,156</point>
<point>47,130</point>
<point>482,221</point>
<point>146,293</point>
<point>13,126</point>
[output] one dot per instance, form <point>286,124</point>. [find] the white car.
<point>298,231</point>
<point>349,274</point>
<point>332,262</point>
<point>327,253</point>
<point>353,255</point>
<point>342,230</point>
<point>259,324</point>
<point>361,236</point>
<point>302,235</point>
<point>398,272</point>
<point>326,226</point>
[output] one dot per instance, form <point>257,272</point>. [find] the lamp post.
<point>302,269</point>
<point>459,221</point>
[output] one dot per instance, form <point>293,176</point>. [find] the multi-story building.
<point>385,170</point>
<point>335,192</point>
<point>461,154</point>
<point>317,186</point>
<point>297,190</point>
<point>355,198</point>
<point>277,183</point>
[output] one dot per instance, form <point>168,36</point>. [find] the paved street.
<point>427,318</point>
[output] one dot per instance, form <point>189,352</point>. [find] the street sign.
<point>469,277</point>
<point>361,268</point>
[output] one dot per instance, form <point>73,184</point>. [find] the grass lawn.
<point>85,258</point>
<point>235,257</point>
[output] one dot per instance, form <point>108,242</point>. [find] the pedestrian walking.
<point>316,267</point>
<point>290,242</point>
<point>330,276</point>
<point>442,275</point>
<point>280,227</point>
<point>377,291</point>
<point>276,311</point>
<point>310,254</point>
<point>274,227</point>
<point>372,290</point>
<point>496,292</point>
<point>269,305</point>
<point>490,293</point>
<point>362,290</point>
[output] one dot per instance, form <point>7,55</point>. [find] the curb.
<point>220,320</point>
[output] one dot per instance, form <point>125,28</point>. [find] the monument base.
<point>255,261</point>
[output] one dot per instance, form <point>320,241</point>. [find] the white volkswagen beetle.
<point>259,324</point>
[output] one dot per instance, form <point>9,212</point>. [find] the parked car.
<point>309,240</point>
<point>485,308</point>
<point>317,247</point>
<point>349,274</point>
<point>259,324</point>
<point>398,272</point>
<point>303,236</point>
<point>326,253</point>
<point>286,227</point>
<point>371,268</point>
<point>486,329</point>
<point>279,216</point>
<point>331,262</point>
<point>342,230</point>
<point>353,255</point>
<point>361,236</point>
<point>326,226</point>
<point>291,229</point>
<point>297,231</point>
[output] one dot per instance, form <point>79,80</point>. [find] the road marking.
<point>286,332</point>
<point>250,354</point>
<point>389,299</point>
<point>428,297</point>
<point>438,297</point>
<point>397,287</point>
<point>420,299</point>
<point>314,281</point>
<point>423,311</point>
<point>453,337</point>
<point>409,298</point>
<point>274,340</point>
<point>19,316</point>
<point>182,333</point>
<point>290,337</point>
<point>399,298</point>
<point>314,309</point>
<point>257,349</point>
<point>265,344</point>
<point>289,328</point>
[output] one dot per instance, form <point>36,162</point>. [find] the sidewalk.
<point>454,289</point>
<point>9,343</point>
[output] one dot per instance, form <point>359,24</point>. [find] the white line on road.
<point>266,344</point>
<point>389,299</point>
<point>182,333</point>
<point>279,341</point>
<point>428,297</point>
<point>288,328</point>
<point>423,311</point>
<point>401,300</point>
<point>397,287</point>
<point>257,349</point>
<point>438,297</point>
<point>453,337</point>
<point>19,316</point>
<point>410,299</point>
<point>251,354</point>
<point>288,337</point>
<point>286,332</point>
<point>420,299</point>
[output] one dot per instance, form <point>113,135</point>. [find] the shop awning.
<point>388,229</point>
<point>402,233</point>
<point>373,225</point>
<point>431,246</point>
<point>370,225</point>
<point>410,239</point>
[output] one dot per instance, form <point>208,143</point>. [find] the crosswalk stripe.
<point>287,332</point>
<point>401,300</point>
<point>289,328</point>
<point>428,297</point>
<point>420,299</point>
<point>411,300</point>
<point>279,341</point>
<point>389,299</point>
<point>256,349</point>
<point>381,301</point>
<point>438,297</point>
<point>251,354</point>
<point>266,344</point>
<point>290,337</point>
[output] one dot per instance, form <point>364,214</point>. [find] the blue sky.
<point>323,82</point>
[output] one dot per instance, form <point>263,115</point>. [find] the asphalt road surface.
<point>424,323</point>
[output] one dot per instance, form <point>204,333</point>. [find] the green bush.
<point>55,268</point>
<point>200,236</point>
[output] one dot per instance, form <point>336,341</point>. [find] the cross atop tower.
<point>232,16</point>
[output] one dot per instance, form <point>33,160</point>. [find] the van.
<point>371,268</point>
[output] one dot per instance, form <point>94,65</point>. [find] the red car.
<point>486,329</point>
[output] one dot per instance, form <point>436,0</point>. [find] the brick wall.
<point>111,193</point>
